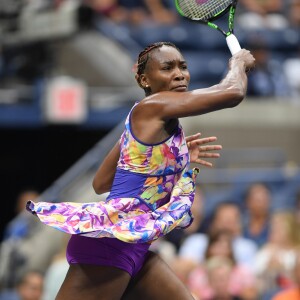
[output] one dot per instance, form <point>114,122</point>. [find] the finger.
<point>209,155</point>
<point>210,148</point>
<point>192,137</point>
<point>203,163</point>
<point>205,140</point>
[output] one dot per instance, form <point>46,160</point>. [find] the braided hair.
<point>143,59</point>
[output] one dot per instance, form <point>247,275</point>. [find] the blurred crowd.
<point>275,73</point>
<point>243,250</point>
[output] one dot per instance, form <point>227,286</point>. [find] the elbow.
<point>237,100</point>
<point>98,188</point>
<point>237,96</point>
<point>234,91</point>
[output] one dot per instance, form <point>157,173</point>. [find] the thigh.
<point>156,281</point>
<point>90,282</point>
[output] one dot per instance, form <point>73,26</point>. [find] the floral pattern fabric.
<point>163,201</point>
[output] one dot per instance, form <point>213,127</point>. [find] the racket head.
<point>203,10</point>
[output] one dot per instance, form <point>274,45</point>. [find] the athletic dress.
<point>152,194</point>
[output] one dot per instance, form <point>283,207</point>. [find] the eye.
<point>184,67</point>
<point>166,68</point>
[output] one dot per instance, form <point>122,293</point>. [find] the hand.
<point>244,56</point>
<point>197,151</point>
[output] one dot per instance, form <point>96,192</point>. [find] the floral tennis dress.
<point>152,194</point>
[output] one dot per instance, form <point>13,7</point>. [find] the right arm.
<point>150,116</point>
<point>228,93</point>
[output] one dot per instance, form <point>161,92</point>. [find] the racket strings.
<point>203,9</point>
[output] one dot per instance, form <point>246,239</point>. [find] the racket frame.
<point>231,8</point>
<point>232,41</point>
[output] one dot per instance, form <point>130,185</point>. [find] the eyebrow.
<point>170,62</point>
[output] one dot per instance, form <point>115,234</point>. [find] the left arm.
<point>105,174</point>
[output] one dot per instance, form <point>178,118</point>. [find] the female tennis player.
<point>150,184</point>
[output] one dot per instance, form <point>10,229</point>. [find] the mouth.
<point>180,88</point>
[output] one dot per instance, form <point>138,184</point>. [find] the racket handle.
<point>233,44</point>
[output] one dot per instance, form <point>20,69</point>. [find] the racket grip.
<point>233,44</point>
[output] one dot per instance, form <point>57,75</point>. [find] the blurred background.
<point>66,85</point>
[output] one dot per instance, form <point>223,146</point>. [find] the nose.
<point>178,74</point>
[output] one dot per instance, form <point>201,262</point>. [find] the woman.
<point>151,188</point>
<point>240,280</point>
<point>275,261</point>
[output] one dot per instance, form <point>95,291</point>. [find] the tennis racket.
<point>206,11</point>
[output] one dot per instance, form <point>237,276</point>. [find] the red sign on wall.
<point>65,101</point>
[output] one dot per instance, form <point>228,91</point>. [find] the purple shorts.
<point>107,252</point>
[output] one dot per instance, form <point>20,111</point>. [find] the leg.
<point>156,281</point>
<point>90,282</point>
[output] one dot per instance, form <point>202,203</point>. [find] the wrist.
<point>236,62</point>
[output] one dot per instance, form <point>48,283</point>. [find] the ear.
<point>143,81</point>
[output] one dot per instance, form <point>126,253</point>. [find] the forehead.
<point>227,210</point>
<point>166,54</point>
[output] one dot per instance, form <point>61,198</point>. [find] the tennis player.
<point>151,186</point>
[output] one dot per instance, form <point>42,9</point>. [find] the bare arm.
<point>106,172</point>
<point>151,117</point>
<point>228,93</point>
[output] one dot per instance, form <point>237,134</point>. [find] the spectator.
<point>29,287</point>
<point>160,13</point>
<point>22,235</point>
<point>263,14</point>
<point>111,9</point>
<point>219,270</point>
<point>134,12</point>
<point>294,13</point>
<point>256,220</point>
<point>19,227</point>
<point>227,216</point>
<point>268,78</point>
<point>275,261</point>
<point>239,281</point>
<point>294,292</point>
